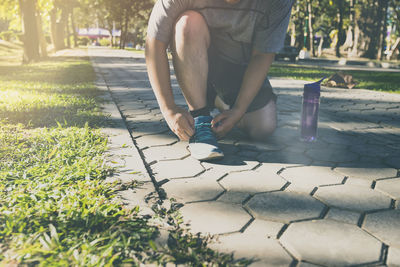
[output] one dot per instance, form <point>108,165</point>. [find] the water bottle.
<point>309,116</point>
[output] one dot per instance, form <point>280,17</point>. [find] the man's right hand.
<point>180,122</point>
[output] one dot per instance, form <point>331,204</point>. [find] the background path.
<point>284,203</point>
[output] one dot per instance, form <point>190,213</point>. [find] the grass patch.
<point>10,52</point>
<point>141,51</point>
<point>378,81</point>
<point>42,94</point>
<point>55,207</point>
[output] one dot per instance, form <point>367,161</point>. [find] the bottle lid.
<point>313,88</point>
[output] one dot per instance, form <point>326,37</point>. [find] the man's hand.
<point>225,121</point>
<point>180,122</point>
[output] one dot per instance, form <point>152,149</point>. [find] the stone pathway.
<point>285,203</point>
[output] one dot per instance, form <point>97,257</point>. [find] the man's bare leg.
<point>190,58</point>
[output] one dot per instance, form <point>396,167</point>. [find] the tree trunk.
<point>350,32</point>
<point>321,42</point>
<point>126,28</point>
<point>121,37</point>
<point>395,47</point>
<point>29,28</point>
<point>57,30</point>
<point>354,51</point>
<point>383,30</point>
<point>65,18</point>
<point>375,37</point>
<point>356,35</point>
<point>42,39</point>
<point>293,34</point>
<point>53,30</point>
<point>310,28</point>
<point>340,27</point>
<point>73,28</point>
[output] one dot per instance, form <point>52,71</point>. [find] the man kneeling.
<point>222,51</point>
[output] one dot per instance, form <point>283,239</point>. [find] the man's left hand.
<point>225,121</point>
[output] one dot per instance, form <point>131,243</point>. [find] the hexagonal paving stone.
<point>252,182</point>
<point>353,198</point>
<point>343,216</point>
<point>331,243</point>
<point>264,228</point>
<point>385,225</point>
<point>214,174</point>
<point>251,145</point>
<point>284,157</point>
<point>234,197</point>
<point>376,150</point>
<point>274,167</point>
<point>193,189</point>
<point>369,174</point>
<point>230,163</point>
<point>311,176</point>
<point>390,187</point>
<point>332,155</point>
<point>264,251</point>
<point>287,134</point>
<point>176,169</point>
<point>156,140</point>
<point>144,118</point>
<point>147,128</point>
<point>132,112</point>
<point>342,139</point>
<point>306,264</point>
<point>215,217</point>
<point>393,257</point>
<point>175,151</point>
<point>393,161</point>
<point>285,206</point>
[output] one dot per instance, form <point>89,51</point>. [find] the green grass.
<point>42,94</point>
<point>134,50</point>
<point>379,81</point>
<point>55,207</point>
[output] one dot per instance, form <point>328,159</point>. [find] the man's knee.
<point>262,131</point>
<point>260,124</point>
<point>191,26</point>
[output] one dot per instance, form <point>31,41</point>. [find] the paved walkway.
<point>334,202</point>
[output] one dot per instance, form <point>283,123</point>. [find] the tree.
<point>30,30</point>
<point>340,15</point>
<point>310,27</point>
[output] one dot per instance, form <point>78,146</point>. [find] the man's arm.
<point>178,119</point>
<point>253,79</point>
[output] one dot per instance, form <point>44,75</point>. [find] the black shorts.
<point>225,79</point>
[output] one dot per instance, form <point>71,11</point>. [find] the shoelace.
<point>204,134</point>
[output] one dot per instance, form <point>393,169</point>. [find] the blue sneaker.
<point>203,145</point>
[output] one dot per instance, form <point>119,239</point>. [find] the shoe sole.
<point>201,155</point>
<point>211,157</point>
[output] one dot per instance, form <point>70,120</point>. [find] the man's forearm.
<point>253,79</point>
<point>158,71</point>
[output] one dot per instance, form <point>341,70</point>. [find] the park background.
<point>55,208</point>
<point>353,28</point>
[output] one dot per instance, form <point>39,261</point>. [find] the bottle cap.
<point>313,88</point>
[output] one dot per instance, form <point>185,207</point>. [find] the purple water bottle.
<point>309,116</point>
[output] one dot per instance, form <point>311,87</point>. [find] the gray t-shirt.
<point>235,29</point>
